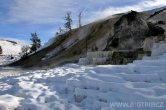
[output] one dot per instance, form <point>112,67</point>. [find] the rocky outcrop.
<point>155,30</point>
<point>129,31</point>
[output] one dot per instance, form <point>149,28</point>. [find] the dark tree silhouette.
<point>68,24</point>
<point>36,42</point>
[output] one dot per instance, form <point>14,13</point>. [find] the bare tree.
<point>68,24</point>
<point>24,51</point>
<point>80,19</point>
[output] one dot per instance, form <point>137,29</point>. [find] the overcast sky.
<point>18,18</point>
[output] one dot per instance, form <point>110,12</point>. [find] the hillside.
<point>7,44</point>
<point>10,50</point>
<point>126,31</point>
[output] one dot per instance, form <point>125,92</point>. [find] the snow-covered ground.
<point>140,85</point>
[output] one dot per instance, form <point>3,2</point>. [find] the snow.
<point>158,48</point>
<point>6,59</point>
<point>8,102</point>
<point>140,85</point>
<point>10,48</point>
<point>6,47</point>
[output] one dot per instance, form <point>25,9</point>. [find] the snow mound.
<point>8,102</point>
<point>140,85</point>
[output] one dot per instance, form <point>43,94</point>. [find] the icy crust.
<point>74,87</point>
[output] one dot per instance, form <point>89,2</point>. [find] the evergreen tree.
<point>36,42</point>
<point>68,24</point>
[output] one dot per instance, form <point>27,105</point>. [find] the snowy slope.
<point>10,47</point>
<point>137,86</point>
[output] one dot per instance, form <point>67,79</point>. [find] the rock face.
<point>155,30</point>
<point>131,30</point>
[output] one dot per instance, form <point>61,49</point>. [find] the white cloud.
<point>142,6</point>
<point>46,11</point>
<point>38,11</point>
<point>53,11</point>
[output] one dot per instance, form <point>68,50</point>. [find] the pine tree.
<point>36,42</point>
<point>68,24</point>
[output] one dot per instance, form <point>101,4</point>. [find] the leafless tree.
<point>24,51</point>
<point>80,19</point>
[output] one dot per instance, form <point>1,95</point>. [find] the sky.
<point>19,18</point>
